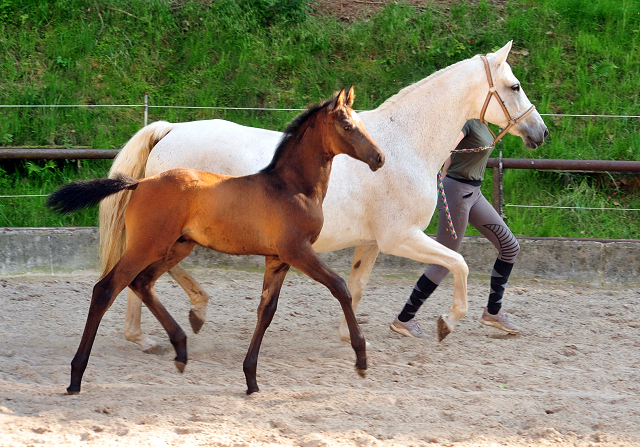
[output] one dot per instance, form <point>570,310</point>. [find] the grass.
<point>572,57</point>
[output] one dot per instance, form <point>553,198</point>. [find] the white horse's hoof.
<point>348,340</point>
<point>196,319</point>
<point>149,346</point>
<point>344,334</point>
<point>445,327</point>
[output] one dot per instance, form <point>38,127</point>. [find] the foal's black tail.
<point>78,195</point>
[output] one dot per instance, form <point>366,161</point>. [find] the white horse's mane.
<point>416,85</point>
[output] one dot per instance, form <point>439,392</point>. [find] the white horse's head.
<point>531,128</point>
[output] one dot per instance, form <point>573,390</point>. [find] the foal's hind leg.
<point>197,316</point>
<point>132,330</point>
<point>364,257</point>
<point>104,293</point>
<point>199,297</point>
<point>143,286</point>
<point>308,262</point>
<point>275,271</point>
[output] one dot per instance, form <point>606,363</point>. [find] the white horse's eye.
<point>515,88</point>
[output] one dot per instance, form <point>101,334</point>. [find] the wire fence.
<point>264,109</point>
<point>146,106</point>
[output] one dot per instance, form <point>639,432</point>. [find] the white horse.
<point>385,211</point>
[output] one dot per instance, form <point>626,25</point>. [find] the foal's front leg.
<point>308,262</point>
<point>274,273</point>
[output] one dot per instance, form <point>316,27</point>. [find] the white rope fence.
<point>265,109</point>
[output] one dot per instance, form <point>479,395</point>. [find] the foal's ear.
<point>351,95</point>
<point>338,101</point>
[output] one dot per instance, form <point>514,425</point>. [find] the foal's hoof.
<point>361,372</point>
<point>252,390</point>
<point>180,365</point>
<point>443,328</point>
<point>72,391</point>
<point>196,321</point>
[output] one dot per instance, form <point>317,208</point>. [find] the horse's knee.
<point>460,264</point>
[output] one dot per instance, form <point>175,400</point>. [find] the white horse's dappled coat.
<point>383,211</point>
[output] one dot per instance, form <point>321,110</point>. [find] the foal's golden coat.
<point>276,213</point>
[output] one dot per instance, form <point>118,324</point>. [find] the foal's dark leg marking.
<point>142,286</point>
<point>104,294</point>
<point>274,274</point>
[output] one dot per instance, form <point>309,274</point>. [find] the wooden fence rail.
<point>633,167</point>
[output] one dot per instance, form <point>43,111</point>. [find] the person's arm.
<point>447,162</point>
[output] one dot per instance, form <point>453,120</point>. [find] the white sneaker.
<point>409,328</point>
<point>500,321</point>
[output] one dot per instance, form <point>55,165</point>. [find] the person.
<point>463,173</point>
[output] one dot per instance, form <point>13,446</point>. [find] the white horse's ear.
<point>500,56</point>
<point>338,101</point>
<point>351,95</point>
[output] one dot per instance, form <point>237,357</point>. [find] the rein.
<point>512,122</point>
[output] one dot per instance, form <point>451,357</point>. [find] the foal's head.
<point>345,133</point>
<point>336,127</point>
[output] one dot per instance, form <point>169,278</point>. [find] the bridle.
<point>512,122</point>
<point>494,92</point>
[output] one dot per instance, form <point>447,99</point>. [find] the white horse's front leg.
<point>132,330</point>
<point>418,246</point>
<point>364,257</point>
<point>198,296</point>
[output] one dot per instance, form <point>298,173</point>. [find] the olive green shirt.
<point>471,165</point>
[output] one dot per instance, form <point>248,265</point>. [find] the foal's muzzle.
<point>376,161</point>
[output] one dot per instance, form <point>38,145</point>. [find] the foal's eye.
<point>348,127</point>
<point>515,88</point>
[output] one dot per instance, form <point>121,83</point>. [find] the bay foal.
<point>276,213</point>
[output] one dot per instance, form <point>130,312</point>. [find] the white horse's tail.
<point>131,160</point>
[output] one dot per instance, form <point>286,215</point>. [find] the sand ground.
<point>571,378</point>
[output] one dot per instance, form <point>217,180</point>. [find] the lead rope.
<point>452,230</point>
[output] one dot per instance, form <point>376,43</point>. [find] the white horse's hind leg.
<point>132,330</point>
<point>364,257</point>
<point>199,298</point>
<point>420,247</point>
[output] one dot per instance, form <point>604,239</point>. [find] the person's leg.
<point>459,198</point>
<point>486,219</point>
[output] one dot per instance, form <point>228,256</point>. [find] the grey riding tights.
<point>469,206</point>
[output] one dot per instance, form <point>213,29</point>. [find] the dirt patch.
<point>571,378</point>
<point>351,10</point>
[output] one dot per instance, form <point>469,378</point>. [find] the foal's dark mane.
<point>294,131</point>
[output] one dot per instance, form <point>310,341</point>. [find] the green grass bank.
<point>572,57</point>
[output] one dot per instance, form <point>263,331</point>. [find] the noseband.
<point>494,92</point>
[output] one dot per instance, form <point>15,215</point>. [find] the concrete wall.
<point>66,250</point>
